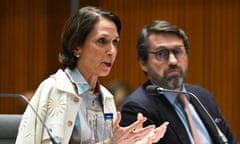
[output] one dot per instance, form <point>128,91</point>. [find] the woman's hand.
<point>135,133</point>
<point>155,135</point>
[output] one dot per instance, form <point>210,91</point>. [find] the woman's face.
<point>99,51</point>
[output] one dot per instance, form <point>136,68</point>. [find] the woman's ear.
<point>77,52</point>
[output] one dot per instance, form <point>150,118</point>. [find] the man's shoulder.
<point>140,96</point>
<point>202,93</point>
<point>195,88</point>
<point>136,94</point>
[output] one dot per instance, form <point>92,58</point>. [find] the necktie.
<point>185,103</point>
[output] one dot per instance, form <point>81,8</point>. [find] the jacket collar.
<point>62,82</point>
<point>77,78</point>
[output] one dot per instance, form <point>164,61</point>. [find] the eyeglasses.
<point>163,54</point>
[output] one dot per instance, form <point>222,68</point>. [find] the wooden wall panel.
<point>23,43</point>
<point>29,46</point>
<point>23,46</point>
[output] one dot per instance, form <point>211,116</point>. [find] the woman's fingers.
<point>142,132</point>
<point>159,132</point>
<point>136,133</point>
<point>153,136</point>
<point>117,121</point>
<point>137,124</point>
<point>142,119</point>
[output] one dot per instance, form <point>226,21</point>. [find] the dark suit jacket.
<point>158,109</point>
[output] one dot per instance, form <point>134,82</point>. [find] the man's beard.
<point>168,82</point>
<point>173,82</point>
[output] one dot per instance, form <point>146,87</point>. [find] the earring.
<point>77,56</point>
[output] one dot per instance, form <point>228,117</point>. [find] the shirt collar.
<point>77,78</point>
<point>173,96</point>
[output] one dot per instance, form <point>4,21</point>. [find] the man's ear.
<point>143,65</point>
<point>77,51</point>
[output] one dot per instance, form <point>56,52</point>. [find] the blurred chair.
<point>9,127</point>
<point>9,122</point>
<point>120,90</point>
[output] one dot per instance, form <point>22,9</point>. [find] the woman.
<point>73,99</point>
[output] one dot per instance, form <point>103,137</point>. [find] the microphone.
<point>53,138</point>
<point>153,89</point>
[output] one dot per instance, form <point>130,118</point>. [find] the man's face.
<point>167,61</point>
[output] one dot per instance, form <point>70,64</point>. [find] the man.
<point>163,56</point>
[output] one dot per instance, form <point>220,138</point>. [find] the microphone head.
<point>152,89</point>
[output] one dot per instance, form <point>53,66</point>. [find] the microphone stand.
<point>53,138</point>
<point>160,90</point>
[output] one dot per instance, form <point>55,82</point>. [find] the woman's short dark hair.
<point>157,26</point>
<point>77,28</point>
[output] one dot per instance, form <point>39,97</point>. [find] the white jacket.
<point>57,104</point>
